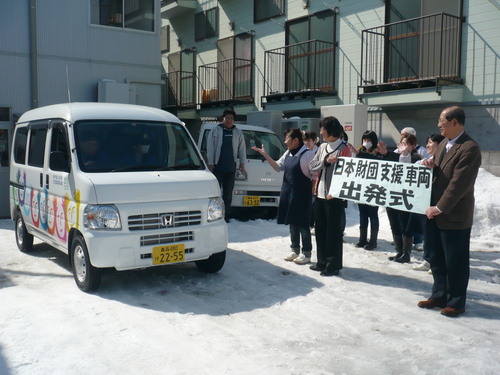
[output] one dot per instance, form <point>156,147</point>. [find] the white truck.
<point>114,186</point>
<point>260,186</point>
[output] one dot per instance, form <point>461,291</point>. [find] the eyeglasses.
<point>229,118</point>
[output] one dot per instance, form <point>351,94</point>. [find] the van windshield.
<point>273,145</point>
<point>122,146</point>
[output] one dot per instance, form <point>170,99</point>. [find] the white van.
<point>260,186</point>
<point>114,185</point>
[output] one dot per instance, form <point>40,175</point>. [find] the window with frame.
<point>36,154</point>
<point>165,39</point>
<point>20,142</point>
<point>206,24</point>
<point>266,9</point>
<point>415,48</point>
<point>310,61</point>
<point>126,14</point>
<point>181,78</point>
<point>235,57</point>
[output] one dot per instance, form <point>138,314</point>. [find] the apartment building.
<point>405,60</point>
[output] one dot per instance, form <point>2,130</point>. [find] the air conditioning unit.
<point>304,124</point>
<point>109,91</point>
<point>353,117</point>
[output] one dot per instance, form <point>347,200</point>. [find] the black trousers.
<point>449,256</point>
<point>328,215</point>
<point>398,221</point>
<point>226,182</point>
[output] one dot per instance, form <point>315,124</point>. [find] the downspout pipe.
<point>33,54</point>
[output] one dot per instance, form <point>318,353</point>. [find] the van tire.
<point>87,277</point>
<point>24,240</point>
<point>213,264</point>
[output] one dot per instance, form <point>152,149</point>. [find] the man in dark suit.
<point>456,163</point>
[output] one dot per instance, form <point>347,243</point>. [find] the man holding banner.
<point>450,215</point>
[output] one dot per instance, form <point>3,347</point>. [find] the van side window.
<point>59,141</point>
<point>37,147</point>
<point>20,142</point>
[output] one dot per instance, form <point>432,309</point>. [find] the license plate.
<point>249,200</point>
<point>168,254</point>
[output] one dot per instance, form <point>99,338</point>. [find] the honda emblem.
<point>167,220</point>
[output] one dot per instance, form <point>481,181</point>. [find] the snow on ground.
<point>258,315</point>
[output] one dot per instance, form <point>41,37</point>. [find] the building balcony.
<point>299,71</point>
<point>225,83</point>
<point>173,8</point>
<point>179,90</point>
<point>421,53</point>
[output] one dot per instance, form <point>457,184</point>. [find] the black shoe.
<point>403,259</point>
<point>318,267</point>
<point>393,257</point>
<point>330,272</point>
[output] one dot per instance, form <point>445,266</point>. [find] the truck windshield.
<point>121,146</point>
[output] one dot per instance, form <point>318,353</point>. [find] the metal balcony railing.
<point>307,67</point>
<point>411,51</point>
<point>179,90</point>
<point>226,80</point>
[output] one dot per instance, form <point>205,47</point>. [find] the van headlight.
<point>101,217</point>
<point>215,209</point>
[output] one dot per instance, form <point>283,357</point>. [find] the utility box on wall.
<point>353,117</point>
<point>109,91</point>
<point>266,119</point>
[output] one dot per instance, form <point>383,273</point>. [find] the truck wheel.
<point>212,264</point>
<point>87,277</point>
<point>24,240</point>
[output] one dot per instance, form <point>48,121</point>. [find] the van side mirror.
<point>59,162</point>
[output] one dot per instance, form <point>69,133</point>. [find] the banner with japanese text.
<point>402,186</point>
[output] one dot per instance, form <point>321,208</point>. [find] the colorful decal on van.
<point>50,213</point>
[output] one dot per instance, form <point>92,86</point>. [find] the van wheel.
<point>24,240</point>
<point>212,264</point>
<point>87,277</point>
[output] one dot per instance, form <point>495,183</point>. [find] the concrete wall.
<point>66,39</point>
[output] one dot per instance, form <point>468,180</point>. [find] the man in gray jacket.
<point>225,144</point>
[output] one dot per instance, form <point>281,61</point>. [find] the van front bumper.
<point>126,250</point>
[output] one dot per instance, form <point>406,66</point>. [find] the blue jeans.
<point>296,233</point>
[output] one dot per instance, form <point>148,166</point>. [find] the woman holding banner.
<point>328,211</point>
<point>398,220</point>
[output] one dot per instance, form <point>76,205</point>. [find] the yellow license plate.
<point>168,254</point>
<point>249,200</point>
